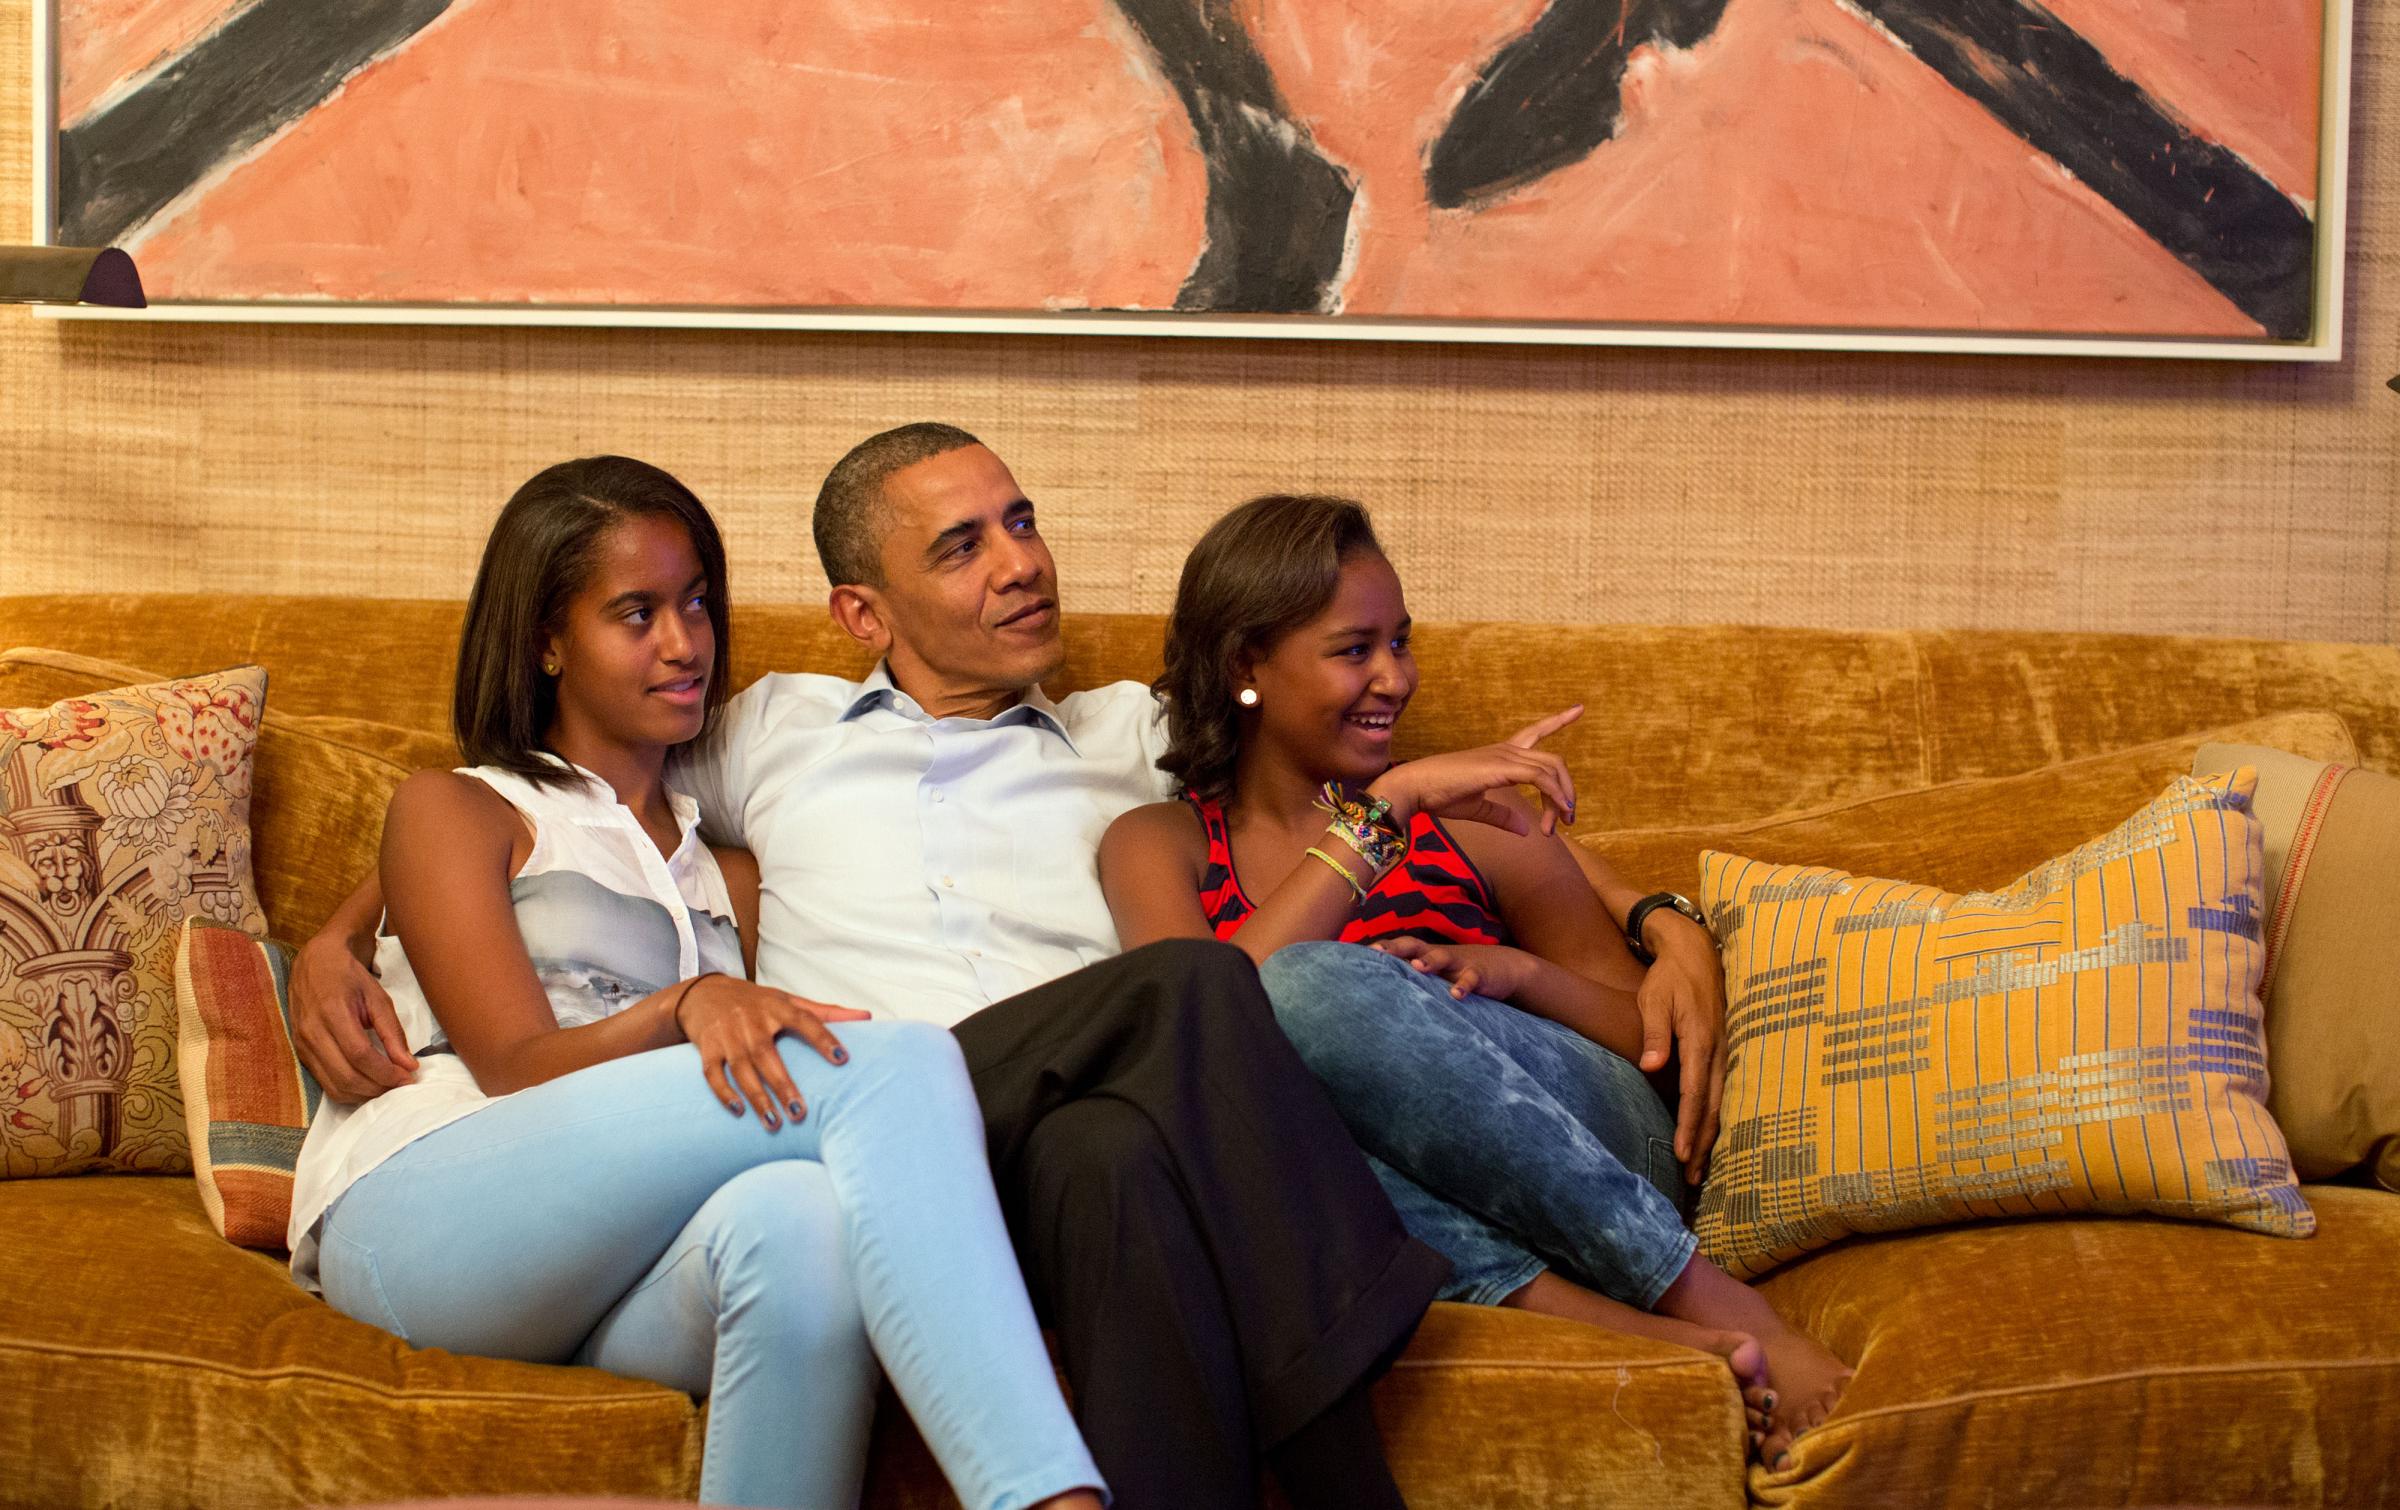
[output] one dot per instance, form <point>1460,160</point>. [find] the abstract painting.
<point>2074,168</point>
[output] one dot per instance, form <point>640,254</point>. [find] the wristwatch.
<point>1640,914</point>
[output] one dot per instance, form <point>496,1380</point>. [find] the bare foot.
<point>1549,1295</point>
<point>1804,1381</point>
<point>1807,1381</point>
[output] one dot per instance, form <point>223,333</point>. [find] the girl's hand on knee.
<point>1491,970</point>
<point>735,1023</point>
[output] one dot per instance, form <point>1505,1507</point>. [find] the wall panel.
<point>1851,491</point>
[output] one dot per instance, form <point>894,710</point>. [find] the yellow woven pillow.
<point>2086,1039</point>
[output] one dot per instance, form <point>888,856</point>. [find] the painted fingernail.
<point>841,1056</point>
<point>1770,1399</point>
<point>797,1110</point>
<point>734,1107</point>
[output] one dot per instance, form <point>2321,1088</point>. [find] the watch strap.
<point>1639,915</point>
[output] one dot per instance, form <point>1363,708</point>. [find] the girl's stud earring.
<point>1248,697</point>
<point>549,668</point>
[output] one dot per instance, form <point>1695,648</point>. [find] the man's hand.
<point>343,1026</point>
<point>1682,1002</point>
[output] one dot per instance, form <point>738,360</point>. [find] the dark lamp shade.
<point>69,275</point>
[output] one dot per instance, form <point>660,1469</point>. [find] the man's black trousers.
<point>1218,1262</point>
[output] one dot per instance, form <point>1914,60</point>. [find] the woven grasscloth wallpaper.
<point>1853,491</point>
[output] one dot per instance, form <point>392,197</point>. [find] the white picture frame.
<point>2324,344</point>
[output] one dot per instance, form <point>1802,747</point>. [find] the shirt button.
<point>937,794</point>
<point>947,881</point>
<point>975,953</point>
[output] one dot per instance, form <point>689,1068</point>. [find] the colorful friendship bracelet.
<point>1365,827</point>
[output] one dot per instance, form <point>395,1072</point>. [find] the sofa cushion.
<point>122,812</point>
<point>1967,835</point>
<point>2028,1365</point>
<point>2333,958</point>
<point>1725,723</point>
<point>246,1097</point>
<point>2087,1039</point>
<point>175,1369</point>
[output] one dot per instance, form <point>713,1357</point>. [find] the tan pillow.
<point>2333,957</point>
<point>1961,835</point>
<point>122,812</point>
<point>322,784</point>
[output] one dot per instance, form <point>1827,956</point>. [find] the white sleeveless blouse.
<point>607,921</point>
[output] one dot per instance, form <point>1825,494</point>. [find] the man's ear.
<point>859,610</point>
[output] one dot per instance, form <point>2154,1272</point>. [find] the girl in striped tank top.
<point>1434,951</point>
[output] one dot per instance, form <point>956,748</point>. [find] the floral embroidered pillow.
<point>121,814</point>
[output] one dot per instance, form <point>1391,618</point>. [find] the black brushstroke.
<point>1552,96</point>
<point>2043,81</point>
<point>228,92</point>
<point>1278,212</point>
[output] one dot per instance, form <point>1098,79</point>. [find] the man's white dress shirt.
<point>921,867</point>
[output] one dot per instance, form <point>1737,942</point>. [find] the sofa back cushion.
<point>1688,724</point>
<point>1968,835</point>
<point>320,783</point>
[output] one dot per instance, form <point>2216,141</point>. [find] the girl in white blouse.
<point>616,1150</point>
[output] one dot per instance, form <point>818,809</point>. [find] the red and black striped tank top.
<point>1435,893</point>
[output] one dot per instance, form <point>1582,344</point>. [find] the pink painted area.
<point>916,153</point>
<point>1796,168</point>
<point>2243,73</point>
<point>103,43</point>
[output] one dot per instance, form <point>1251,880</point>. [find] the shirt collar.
<point>685,808</point>
<point>880,691</point>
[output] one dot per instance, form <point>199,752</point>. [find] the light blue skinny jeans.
<point>1509,1143</point>
<point>619,1217</point>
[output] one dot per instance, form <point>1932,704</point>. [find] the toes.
<point>1748,1361</point>
<point>1775,1450</point>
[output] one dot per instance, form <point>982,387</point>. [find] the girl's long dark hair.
<point>1259,573</point>
<point>541,553</point>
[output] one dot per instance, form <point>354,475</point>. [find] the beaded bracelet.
<point>1365,827</point>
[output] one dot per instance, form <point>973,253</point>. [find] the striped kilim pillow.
<point>246,1098</point>
<point>2086,1039</point>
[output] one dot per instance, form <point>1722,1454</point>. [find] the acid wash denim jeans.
<point>1509,1143</point>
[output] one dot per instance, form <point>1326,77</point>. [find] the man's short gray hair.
<point>850,518</point>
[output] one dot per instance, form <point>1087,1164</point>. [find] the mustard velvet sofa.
<point>146,1362</point>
